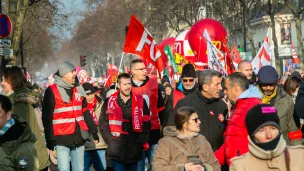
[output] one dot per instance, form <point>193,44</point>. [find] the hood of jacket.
<point>9,146</point>
<point>267,155</point>
<point>24,95</point>
<point>171,131</point>
<point>251,92</point>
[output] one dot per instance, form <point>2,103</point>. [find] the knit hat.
<point>267,75</point>
<point>65,67</point>
<point>259,116</point>
<point>89,88</point>
<point>188,71</point>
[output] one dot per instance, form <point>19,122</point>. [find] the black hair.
<point>240,79</point>
<point>123,75</point>
<point>6,104</point>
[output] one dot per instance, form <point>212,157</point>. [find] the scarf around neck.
<point>63,85</point>
<point>7,126</point>
<point>267,99</point>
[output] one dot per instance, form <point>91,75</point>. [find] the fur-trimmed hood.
<point>24,95</point>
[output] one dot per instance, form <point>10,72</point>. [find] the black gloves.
<point>50,145</point>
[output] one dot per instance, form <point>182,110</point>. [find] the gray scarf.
<point>62,85</point>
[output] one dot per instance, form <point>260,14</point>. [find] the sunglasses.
<point>196,120</point>
<point>188,80</point>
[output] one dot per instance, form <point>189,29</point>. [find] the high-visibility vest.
<point>66,114</point>
<point>150,93</point>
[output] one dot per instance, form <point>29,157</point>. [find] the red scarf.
<point>115,109</point>
<point>91,108</point>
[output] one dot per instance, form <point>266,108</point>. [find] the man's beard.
<point>268,92</point>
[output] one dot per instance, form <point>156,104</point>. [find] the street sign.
<point>5,26</point>
<point>6,43</point>
<point>6,52</point>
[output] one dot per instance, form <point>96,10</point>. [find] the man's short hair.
<point>135,61</point>
<point>240,79</point>
<point>206,76</point>
<point>241,63</point>
<point>123,75</point>
<point>6,104</point>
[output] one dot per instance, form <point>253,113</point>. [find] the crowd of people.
<point>203,122</point>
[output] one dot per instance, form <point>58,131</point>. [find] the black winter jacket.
<point>126,148</point>
<point>211,112</point>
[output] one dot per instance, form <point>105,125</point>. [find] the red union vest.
<point>177,95</point>
<point>150,93</point>
<point>66,114</point>
<point>115,114</point>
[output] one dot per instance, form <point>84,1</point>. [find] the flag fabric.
<point>229,64</point>
<point>263,56</point>
<point>214,56</point>
<point>140,42</point>
<point>171,61</point>
<point>288,65</point>
<point>112,75</point>
<point>295,58</point>
<point>235,56</point>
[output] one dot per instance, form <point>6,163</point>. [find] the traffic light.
<point>83,61</point>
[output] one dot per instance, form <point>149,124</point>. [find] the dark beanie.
<point>268,75</point>
<point>188,71</point>
<point>259,116</point>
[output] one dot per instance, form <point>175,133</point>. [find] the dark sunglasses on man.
<point>191,80</point>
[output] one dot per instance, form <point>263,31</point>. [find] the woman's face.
<point>266,134</point>
<point>168,91</point>
<point>6,86</point>
<point>193,125</point>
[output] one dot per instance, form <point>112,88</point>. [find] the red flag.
<point>140,42</point>
<point>295,58</point>
<point>230,68</point>
<point>112,75</point>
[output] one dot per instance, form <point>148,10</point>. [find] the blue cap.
<point>268,75</point>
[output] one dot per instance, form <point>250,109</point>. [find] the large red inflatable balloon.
<point>170,41</point>
<point>198,43</point>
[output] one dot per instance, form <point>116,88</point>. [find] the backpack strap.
<point>178,146</point>
<point>181,148</point>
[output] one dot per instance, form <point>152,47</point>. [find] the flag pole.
<point>121,59</point>
<point>151,71</point>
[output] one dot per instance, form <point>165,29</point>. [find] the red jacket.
<point>236,142</point>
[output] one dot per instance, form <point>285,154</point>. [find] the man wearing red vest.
<point>183,88</point>
<point>124,124</point>
<point>149,89</point>
<point>65,123</point>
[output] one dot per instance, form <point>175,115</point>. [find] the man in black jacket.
<point>64,122</point>
<point>125,124</point>
<point>209,107</point>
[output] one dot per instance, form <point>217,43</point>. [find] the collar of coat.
<point>267,155</point>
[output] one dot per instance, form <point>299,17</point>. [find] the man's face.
<point>188,82</point>
<point>125,86</point>
<point>6,86</point>
<point>4,117</point>
<point>268,89</point>
<point>246,69</point>
<point>70,77</point>
<point>230,91</point>
<point>213,90</point>
<point>139,71</point>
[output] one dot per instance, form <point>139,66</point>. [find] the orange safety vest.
<point>150,92</point>
<point>66,114</point>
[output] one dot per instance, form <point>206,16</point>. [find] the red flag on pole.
<point>295,58</point>
<point>140,42</point>
<point>112,75</point>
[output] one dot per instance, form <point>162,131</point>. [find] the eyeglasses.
<point>142,69</point>
<point>188,80</point>
<point>196,120</point>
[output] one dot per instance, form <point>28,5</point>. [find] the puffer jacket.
<point>22,103</point>
<point>17,142</point>
<point>236,142</point>
<point>258,159</point>
<point>169,157</point>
